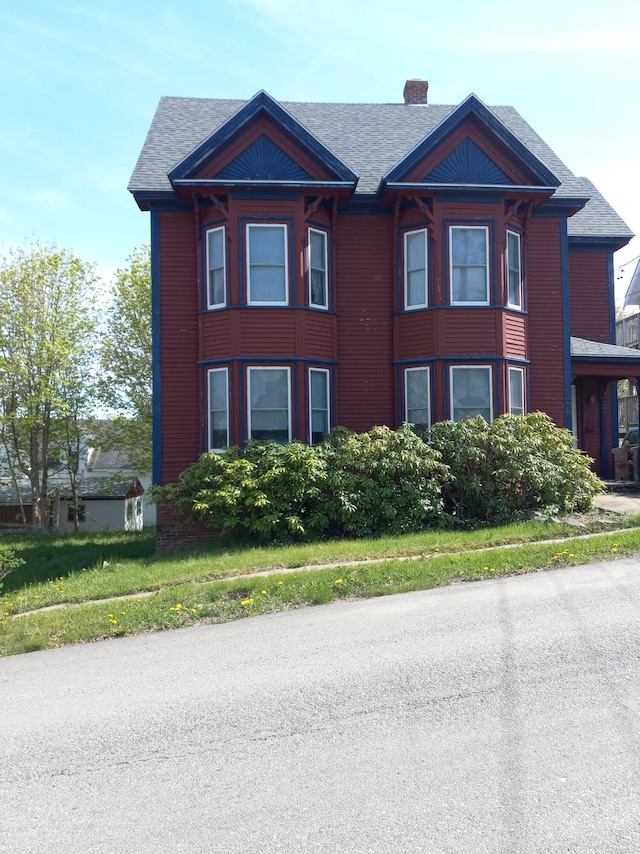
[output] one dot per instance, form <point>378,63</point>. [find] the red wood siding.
<point>470,332</point>
<point>365,288</point>
<point>544,301</point>
<point>414,336</point>
<point>589,290</point>
<point>181,421</point>
<point>514,331</point>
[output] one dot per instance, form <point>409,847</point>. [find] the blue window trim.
<point>402,231</point>
<point>471,222</point>
<point>204,278</point>
<point>292,272</point>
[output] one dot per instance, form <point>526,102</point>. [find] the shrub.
<point>516,464</point>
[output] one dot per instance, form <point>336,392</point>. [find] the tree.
<point>126,385</point>
<point>47,324</point>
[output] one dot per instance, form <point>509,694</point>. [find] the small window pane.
<point>516,391</point>
<point>417,398</point>
<point>319,404</point>
<point>415,268</point>
<point>514,270</point>
<point>318,268</point>
<point>269,404</point>
<point>469,264</point>
<point>218,409</point>
<point>267,264</point>
<point>471,393</point>
<point>215,267</point>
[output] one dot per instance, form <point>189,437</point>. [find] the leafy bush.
<point>9,561</point>
<point>518,463</point>
<point>383,481</point>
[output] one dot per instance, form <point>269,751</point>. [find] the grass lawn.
<point>213,583</point>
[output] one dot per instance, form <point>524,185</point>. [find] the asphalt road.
<point>500,716</point>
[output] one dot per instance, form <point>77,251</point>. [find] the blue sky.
<point>79,83</point>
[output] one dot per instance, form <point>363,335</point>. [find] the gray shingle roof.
<point>369,138</point>
<point>581,347</point>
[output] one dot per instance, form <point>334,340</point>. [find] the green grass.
<point>203,585</point>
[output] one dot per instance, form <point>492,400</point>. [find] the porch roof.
<point>594,358</point>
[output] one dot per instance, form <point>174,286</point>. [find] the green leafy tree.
<point>47,326</point>
<point>126,386</point>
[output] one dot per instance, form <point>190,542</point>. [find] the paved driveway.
<point>493,717</point>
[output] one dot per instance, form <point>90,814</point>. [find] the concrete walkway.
<point>625,503</point>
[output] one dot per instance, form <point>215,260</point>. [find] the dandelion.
<point>123,613</point>
<point>114,622</point>
<point>572,555</point>
<point>280,582</point>
<point>338,581</point>
<point>492,569</point>
<point>485,569</point>
<point>614,550</point>
<point>247,601</point>
<point>110,616</point>
<point>263,592</point>
<point>193,611</point>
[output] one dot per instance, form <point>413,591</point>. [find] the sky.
<point>80,81</point>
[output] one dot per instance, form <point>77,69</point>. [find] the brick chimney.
<point>415,91</point>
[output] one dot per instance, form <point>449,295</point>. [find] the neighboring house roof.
<point>369,138</point>
<point>581,348</point>
<point>91,489</point>
<point>100,460</point>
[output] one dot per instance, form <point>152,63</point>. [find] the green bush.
<point>518,463</point>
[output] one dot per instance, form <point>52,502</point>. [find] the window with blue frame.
<point>216,268</point>
<point>469,264</point>
<point>319,402</point>
<point>317,263</point>
<point>218,408</point>
<point>415,269</point>
<point>269,399</point>
<point>516,391</point>
<point>513,266</point>
<point>471,390</point>
<point>417,398</point>
<point>267,268</point>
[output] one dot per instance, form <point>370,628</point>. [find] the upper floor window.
<point>269,393</point>
<point>469,260</point>
<point>513,267</point>
<point>471,392</point>
<point>516,391</point>
<point>318,404</point>
<point>218,409</point>
<point>318,278</point>
<point>415,269</point>
<point>417,394</point>
<point>267,269</point>
<point>216,271</point>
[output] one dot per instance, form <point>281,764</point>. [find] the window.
<point>471,392</point>
<point>81,510</point>
<point>218,409</point>
<point>216,273</point>
<point>516,391</point>
<point>415,269</point>
<point>318,280</point>
<point>469,255</point>
<point>269,404</point>
<point>417,409</point>
<point>267,264</point>
<point>318,404</point>
<point>514,273</point>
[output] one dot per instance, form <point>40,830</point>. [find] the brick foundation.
<point>173,532</point>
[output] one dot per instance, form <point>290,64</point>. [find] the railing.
<point>628,331</point>
<point>627,412</point>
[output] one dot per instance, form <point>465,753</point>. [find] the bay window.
<point>516,391</point>
<point>471,389</point>
<point>269,399</point>
<point>417,394</point>
<point>513,266</point>
<point>469,264</point>
<point>267,268</point>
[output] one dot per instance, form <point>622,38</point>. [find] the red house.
<point>362,264</point>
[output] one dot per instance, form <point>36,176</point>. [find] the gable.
<point>471,147</point>
<point>263,143</point>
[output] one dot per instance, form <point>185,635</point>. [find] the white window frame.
<point>284,228</point>
<point>424,304</point>
<point>452,370</point>
<point>324,234</point>
<point>468,227</point>
<point>311,406</point>
<point>211,371</point>
<point>423,368</point>
<point>222,304</point>
<point>252,368</point>
<point>508,268</point>
<point>522,402</point>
